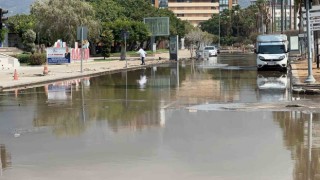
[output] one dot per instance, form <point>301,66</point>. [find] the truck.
<point>272,51</point>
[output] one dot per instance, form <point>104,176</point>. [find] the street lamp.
<point>219,28</point>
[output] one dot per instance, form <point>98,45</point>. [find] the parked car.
<point>210,51</point>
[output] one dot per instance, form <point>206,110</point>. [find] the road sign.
<point>312,14</point>
<point>315,28</point>
<point>302,35</point>
<point>312,28</point>
<point>314,8</point>
<point>82,33</point>
<point>124,34</point>
<point>315,21</point>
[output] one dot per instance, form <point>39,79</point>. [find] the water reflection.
<point>272,85</point>
<point>142,81</point>
<point>113,123</point>
<point>272,80</point>
<point>302,137</point>
<point>108,98</point>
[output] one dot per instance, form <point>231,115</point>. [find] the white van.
<point>272,51</point>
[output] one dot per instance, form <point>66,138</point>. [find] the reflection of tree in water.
<point>294,129</point>
<point>5,157</point>
<point>107,99</point>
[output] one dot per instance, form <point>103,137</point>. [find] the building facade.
<point>227,4</point>
<point>195,11</point>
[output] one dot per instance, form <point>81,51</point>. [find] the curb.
<point>91,74</point>
<point>299,87</point>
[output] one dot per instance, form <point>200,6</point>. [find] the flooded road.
<point>167,122</point>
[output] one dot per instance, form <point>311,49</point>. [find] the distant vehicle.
<point>217,46</point>
<point>210,51</point>
<point>272,51</point>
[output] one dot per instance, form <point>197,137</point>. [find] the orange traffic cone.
<point>15,75</point>
<point>45,70</point>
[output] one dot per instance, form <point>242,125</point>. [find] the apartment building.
<point>195,11</point>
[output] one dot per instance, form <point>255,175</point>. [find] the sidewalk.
<point>299,70</point>
<point>29,76</point>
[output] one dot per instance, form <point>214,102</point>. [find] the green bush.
<point>37,59</point>
<point>23,58</point>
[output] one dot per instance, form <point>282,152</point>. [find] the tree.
<point>20,23</point>
<point>263,13</point>
<point>106,41</point>
<point>28,39</point>
<point>108,10</point>
<point>59,19</point>
<point>137,31</point>
<point>236,25</point>
<point>3,32</point>
<point>137,9</point>
<point>197,38</point>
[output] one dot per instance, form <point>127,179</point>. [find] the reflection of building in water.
<point>146,119</point>
<point>5,158</point>
<point>195,90</point>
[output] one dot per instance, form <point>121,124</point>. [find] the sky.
<point>16,6</point>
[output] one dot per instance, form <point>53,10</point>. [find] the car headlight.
<point>261,58</point>
<point>282,57</point>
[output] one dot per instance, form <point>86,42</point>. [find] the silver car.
<point>210,51</point>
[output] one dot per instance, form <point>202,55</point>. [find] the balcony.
<point>193,4</point>
<point>194,18</point>
<point>209,11</point>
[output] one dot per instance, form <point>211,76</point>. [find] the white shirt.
<point>142,52</point>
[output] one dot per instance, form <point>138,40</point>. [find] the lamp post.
<point>219,29</point>
<point>310,78</point>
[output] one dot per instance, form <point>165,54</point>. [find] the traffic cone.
<point>15,75</point>
<point>45,70</point>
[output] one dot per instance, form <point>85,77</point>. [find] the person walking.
<point>142,55</point>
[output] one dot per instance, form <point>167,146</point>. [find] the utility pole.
<point>290,16</point>
<point>285,14</point>
<point>310,78</point>
<point>219,29</point>
<point>281,19</point>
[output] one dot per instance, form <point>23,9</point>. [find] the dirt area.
<point>300,67</point>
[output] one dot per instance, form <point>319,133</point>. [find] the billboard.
<point>58,56</point>
<point>158,26</point>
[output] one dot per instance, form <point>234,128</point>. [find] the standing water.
<point>166,122</point>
